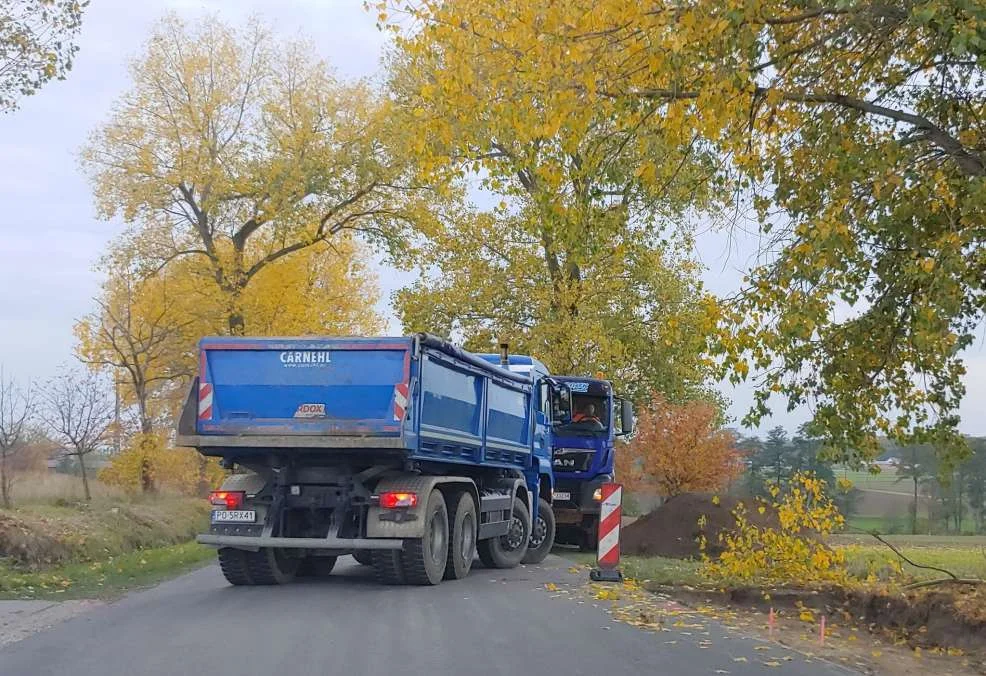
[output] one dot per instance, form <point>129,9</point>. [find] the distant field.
<point>886,481</point>
<point>974,542</point>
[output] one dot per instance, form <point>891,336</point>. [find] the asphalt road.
<point>492,623</point>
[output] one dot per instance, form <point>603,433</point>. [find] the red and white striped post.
<point>610,515</point>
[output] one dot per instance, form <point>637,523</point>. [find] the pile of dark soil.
<point>672,529</point>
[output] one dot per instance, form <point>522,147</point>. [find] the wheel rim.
<point>436,537</point>
<point>540,532</point>
<point>468,539</point>
<point>514,539</point>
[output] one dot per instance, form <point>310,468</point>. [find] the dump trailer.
<point>408,453</point>
<point>543,526</point>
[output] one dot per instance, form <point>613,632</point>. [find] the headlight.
<point>597,494</point>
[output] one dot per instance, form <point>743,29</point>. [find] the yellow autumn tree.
<point>849,130</point>
<point>240,151</point>
<point>586,261</point>
<point>145,331</point>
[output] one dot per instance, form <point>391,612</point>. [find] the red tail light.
<point>227,499</point>
<point>395,499</point>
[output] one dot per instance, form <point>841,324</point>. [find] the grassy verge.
<point>39,536</point>
<point>103,579</point>
<point>656,569</point>
<point>967,561</point>
<point>55,546</point>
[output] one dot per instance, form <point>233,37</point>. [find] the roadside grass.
<point>965,561</point>
<point>33,488</point>
<point>655,569</point>
<point>103,579</point>
<point>54,545</point>
<point>36,536</point>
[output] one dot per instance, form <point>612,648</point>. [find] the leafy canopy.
<point>575,264</point>
<point>852,128</point>
<point>37,44</point>
<point>241,150</point>
<point>146,327</point>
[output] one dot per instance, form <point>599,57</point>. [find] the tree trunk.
<point>5,481</point>
<point>914,508</point>
<point>146,427</point>
<point>237,326</point>
<point>85,478</point>
<point>958,508</point>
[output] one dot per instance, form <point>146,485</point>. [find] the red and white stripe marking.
<point>610,514</point>
<point>400,400</point>
<point>205,401</point>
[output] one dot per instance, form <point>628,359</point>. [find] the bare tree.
<point>78,409</point>
<point>142,339</point>
<point>16,410</point>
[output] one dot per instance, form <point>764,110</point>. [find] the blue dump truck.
<point>408,453</point>
<point>587,420</point>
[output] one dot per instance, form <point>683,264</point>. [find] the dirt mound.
<point>672,529</point>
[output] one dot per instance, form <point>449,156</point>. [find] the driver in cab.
<point>587,415</point>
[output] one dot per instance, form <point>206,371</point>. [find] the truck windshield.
<point>590,416</point>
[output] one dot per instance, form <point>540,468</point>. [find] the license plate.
<point>562,495</point>
<point>233,515</point>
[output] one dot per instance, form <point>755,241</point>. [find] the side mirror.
<point>626,417</point>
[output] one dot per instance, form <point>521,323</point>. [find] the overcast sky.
<point>50,237</point>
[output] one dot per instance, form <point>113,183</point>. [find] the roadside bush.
<point>147,464</point>
<point>793,551</point>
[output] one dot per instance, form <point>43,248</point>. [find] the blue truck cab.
<point>587,421</point>
<point>408,453</point>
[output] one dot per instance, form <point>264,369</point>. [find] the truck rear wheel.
<point>387,566</point>
<point>462,544</point>
<point>271,565</point>
<point>542,534</point>
<point>508,550</point>
<point>424,559</point>
<point>233,564</point>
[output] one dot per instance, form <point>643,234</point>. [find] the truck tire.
<point>542,534</point>
<point>316,566</point>
<point>462,543</point>
<point>363,557</point>
<point>424,559</point>
<point>271,565</point>
<point>233,564</point>
<point>387,566</point>
<point>508,550</point>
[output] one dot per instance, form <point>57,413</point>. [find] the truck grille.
<point>572,459</point>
